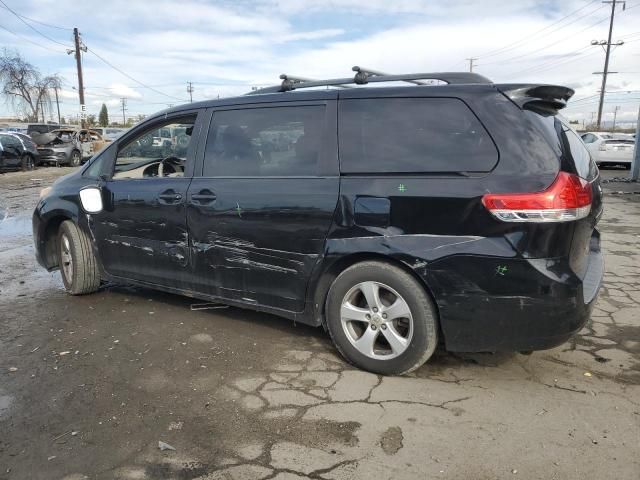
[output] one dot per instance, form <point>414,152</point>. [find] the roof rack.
<point>363,76</point>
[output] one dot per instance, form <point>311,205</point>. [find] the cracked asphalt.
<point>89,385</point>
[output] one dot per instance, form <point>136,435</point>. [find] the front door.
<point>10,151</point>
<point>259,213</point>
<point>142,233</point>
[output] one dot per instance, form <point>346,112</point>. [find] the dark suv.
<point>397,218</point>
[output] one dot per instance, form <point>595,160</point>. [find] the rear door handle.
<point>204,197</point>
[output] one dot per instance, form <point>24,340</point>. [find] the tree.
<point>62,121</point>
<point>24,86</point>
<point>91,120</point>
<point>103,118</point>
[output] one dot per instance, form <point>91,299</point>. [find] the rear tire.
<point>28,163</point>
<point>394,337</point>
<point>78,265</point>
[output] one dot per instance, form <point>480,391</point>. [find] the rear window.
<point>573,154</point>
<point>412,135</point>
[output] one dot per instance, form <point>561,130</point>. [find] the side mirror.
<point>91,199</point>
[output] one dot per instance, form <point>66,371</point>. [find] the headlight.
<point>44,192</point>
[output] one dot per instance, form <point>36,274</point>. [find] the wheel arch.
<point>50,239</point>
<point>334,268</point>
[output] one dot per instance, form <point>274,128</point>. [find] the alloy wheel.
<point>66,259</point>
<point>376,320</point>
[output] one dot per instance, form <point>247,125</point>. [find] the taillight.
<point>568,198</point>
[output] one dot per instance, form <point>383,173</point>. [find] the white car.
<point>609,148</point>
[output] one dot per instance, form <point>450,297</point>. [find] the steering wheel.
<point>167,159</point>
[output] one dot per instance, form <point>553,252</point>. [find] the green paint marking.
<point>501,269</point>
<point>402,187</point>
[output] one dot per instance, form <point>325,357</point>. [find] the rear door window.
<point>265,142</point>
<point>412,135</point>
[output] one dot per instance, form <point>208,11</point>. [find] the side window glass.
<point>160,151</point>
<point>412,135</point>
<point>277,141</point>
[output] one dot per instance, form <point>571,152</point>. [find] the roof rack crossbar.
<point>365,76</point>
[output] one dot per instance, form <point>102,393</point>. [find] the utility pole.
<point>190,91</point>
<point>78,52</point>
<point>615,115</point>
<point>55,89</point>
<point>635,163</point>
<point>471,60</point>
<point>123,103</point>
<point>608,44</point>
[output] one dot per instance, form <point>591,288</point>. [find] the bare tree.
<point>24,86</point>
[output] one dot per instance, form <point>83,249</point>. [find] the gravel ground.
<point>90,385</point>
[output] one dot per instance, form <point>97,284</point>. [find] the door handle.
<point>170,197</point>
<point>204,197</point>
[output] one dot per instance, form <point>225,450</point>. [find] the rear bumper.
<point>509,304</point>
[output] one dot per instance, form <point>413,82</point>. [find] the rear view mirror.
<point>91,199</point>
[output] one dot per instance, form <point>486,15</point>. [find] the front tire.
<point>381,319</point>
<point>78,265</point>
<point>76,158</point>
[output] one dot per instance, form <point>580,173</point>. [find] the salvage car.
<point>396,218</point>
<point>16,153</point>
<point>66,146</point>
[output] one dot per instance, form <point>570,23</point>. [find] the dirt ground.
<point>90,385</point>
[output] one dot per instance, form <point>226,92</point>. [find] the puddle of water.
<point>5,402</point>
<point>15,227</point>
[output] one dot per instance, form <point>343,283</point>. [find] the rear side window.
<point>412,135</point>
<point>265,142</point>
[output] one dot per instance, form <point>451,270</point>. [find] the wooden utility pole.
<point>605,71</point>
<point>190,91</point>
<point>55,89</point>
<point>471,60</point>
<point>78,53</point>
<point>123,103</point>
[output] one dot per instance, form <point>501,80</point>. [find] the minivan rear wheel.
<point>381,318</point>
<point>78,264</point>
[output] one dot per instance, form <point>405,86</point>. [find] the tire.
<point>76,159</point>
<point>27,162</point>
<point>413,328</point>
<point>78,265</point>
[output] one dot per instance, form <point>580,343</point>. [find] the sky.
<point>226,47</point>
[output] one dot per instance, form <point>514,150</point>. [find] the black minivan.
<point>460,212</point>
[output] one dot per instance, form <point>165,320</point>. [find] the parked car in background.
<point>67,146</point>
<point>14,154</point>
<point>109,134</point>
<point>397,218</point>
<point>29,145</point>
<point>609,148</point>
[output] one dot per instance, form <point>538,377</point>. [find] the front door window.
<point>158,152</point>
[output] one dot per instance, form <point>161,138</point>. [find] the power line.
<point>30,41</point>
<point>518,42</point>
<point>131,78</point>
<point>552,44</point>
<point>38,21</point>
<point>19,17</point>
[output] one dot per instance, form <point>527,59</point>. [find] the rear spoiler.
<point>548,98</point>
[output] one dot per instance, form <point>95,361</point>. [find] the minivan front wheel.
<point>77,262</point>
<point>381,318</point>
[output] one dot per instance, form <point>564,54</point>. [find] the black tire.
<point>27,162</point>
<point>76,158</point>
<point>83,275</point>
<point>422,310</point>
